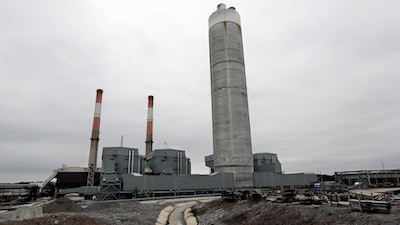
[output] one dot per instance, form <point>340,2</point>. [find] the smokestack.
<point>94,141</point>
<point>149,132</point>
<point>230,112</point>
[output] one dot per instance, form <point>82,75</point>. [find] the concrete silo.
<point>230,112</point>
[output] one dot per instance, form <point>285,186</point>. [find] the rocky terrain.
<point>217,212</point>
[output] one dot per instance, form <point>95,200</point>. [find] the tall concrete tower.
<point>230,111</point>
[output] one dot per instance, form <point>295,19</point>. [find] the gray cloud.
<point>322,81</point>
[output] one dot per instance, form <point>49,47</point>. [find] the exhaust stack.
<point>230,110</point>
<point>94,141</point>
<point>149,132</point>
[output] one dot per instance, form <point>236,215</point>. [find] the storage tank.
<point>230,113</point>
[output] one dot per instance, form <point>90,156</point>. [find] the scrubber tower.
<point>230,113</point>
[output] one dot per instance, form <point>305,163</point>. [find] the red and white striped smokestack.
<point>94,141</point>
<point>149,132</point>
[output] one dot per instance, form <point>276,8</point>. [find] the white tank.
<point>230,111</point>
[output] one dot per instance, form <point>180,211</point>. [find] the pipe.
<point>132,162</point>
<point>139,164</point>
<point>129,161</point>
<point>94,141</point>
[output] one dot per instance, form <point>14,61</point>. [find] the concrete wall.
<point>262,162</point>
<point>27,212</point>
<point>270,179</point>
<point>174,182</point>
<point>212,181</point>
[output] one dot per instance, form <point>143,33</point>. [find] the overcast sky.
<point>323,81</point>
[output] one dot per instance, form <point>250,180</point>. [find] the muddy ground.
<point>217,212</point>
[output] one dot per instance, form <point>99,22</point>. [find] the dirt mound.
<point>59,220</point>
<point>261,213</point>
<point>269,214</point>
<point>62,205</point>
<point>135,205</point>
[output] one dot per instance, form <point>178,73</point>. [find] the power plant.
<point>125,173</point>
<point>230,111</point>
<point>162,178</point>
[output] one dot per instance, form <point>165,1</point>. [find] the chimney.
<point>94,141</point>
<point>149,132</point>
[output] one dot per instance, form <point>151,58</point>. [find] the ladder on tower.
<point>90,178</point>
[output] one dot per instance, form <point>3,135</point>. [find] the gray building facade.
<point>266,162</point>
<point>271,179</point>
<point>169,161</point>
<point>262,162</point>
<point>216,181</point>
<point>121,160</point>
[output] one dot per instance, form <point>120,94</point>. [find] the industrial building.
<point>122,160</point>
<point>123,177</point>
<point>18,193</point>
<point>68,177</point>
<point>127,174</point>
<point>169,161</point>
<point>262,162</point>
<point>169,177</point>
<point>266,162</point>
<point>369,177</point>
